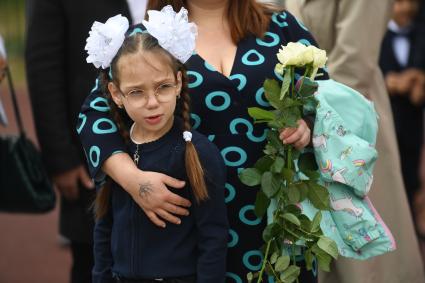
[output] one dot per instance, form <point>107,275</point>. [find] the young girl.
<point>146,83</point>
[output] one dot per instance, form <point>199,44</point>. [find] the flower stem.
<point>260,277</point>
<point>293,259</point>
<point>307,69</point>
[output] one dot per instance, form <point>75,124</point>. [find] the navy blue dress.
<point>219,111</point>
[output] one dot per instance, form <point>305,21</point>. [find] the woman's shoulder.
<point>292,28</point>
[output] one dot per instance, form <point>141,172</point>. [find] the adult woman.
<point>236,50</point>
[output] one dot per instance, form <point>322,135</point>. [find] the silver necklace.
<point>136,155</point>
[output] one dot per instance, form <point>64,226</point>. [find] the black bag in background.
<point>24,184</point>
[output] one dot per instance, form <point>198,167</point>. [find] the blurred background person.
<point>59,79</point>
<point>404,75</point>
<point>351,32</point>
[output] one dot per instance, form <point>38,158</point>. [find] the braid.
<point>194,168</point>
<point>101,203</point>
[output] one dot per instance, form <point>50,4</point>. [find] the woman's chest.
<point>218,100</point>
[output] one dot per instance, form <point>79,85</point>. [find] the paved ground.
<point>29,244</point>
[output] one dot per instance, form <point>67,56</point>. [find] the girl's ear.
<point>116,94</point>
<point>179,82</point>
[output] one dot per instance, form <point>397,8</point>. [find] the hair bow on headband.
<point>105,40</point>
<point>173,31</point>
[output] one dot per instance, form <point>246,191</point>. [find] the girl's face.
<point>148,91</point>
<point>404,11</point>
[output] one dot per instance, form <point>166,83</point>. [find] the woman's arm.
<point>148,189</point>
<point>105,152</point>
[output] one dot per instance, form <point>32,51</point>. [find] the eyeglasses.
<point>163,93</point>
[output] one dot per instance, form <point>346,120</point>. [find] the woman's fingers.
<point>155,220</point>
<point>177,200</point>
<point>303,142</point>
<point>299,137</point>
<point>172,182</point>
<point>168,216</point>
<point>175,209</point>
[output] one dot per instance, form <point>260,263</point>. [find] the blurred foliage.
<point>12,29</point>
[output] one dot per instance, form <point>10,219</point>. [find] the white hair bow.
<point>105,40</point>
<point>173,31</point>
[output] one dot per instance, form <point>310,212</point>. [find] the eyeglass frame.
<point>146,94</point>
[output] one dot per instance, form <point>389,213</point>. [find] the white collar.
<point>394,27</point>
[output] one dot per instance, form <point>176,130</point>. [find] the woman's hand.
<point>299,137</point>
<point>148,189</point>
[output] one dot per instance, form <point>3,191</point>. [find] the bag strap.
<point>14,101</point>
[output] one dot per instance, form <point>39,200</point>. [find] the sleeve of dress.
<point>102,272</point>
<point>98,132</point>
<point>211,217</point>
<point>45,51</point>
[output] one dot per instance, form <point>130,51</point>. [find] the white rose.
<point>295,54</point>
<point>319,57</point>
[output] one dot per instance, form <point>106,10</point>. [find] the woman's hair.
<point>246,17</point>
<point>194,170</point>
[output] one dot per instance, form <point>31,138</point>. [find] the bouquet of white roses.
<point>287,176</point>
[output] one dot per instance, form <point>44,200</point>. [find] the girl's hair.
<point>194,170</point>
<point>246,17</point>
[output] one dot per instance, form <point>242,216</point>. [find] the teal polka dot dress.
<point>219,111</point>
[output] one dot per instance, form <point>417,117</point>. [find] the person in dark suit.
<point>59,79</point>
<point>402,64</point>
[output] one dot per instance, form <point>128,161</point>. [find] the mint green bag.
<point>344,139</point>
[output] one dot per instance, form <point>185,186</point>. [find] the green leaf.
<point>291,103</point>
<point>276,125</point>
<point>270,150</point>
<point>264,163</point>
<point>287,79</point>
<point>260,114</point>
<point>278,165</point>
<point>293,194</point>
<point>290,274</point>
<point>307,161</point>
<point>294,209</point>
<point>312,175</point>
<point>319,196</point>
<point>308,88</point>
<point>269,184</point>
<point>272,93</point>
<point>310,105</point>
<point>292,218</point>
<point>261,204</point>
<point>272,230</point>
<point>323,259</point>
<point>308,257</point>
<point>288,174</point>
<point>282,263</point>
<point>274,140</point>
<point>315,225</point>
<point>329,246</point>
<point>250,177</point>
<point>303,189</point>
<point>291,116</point>
<point>274,257</point>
